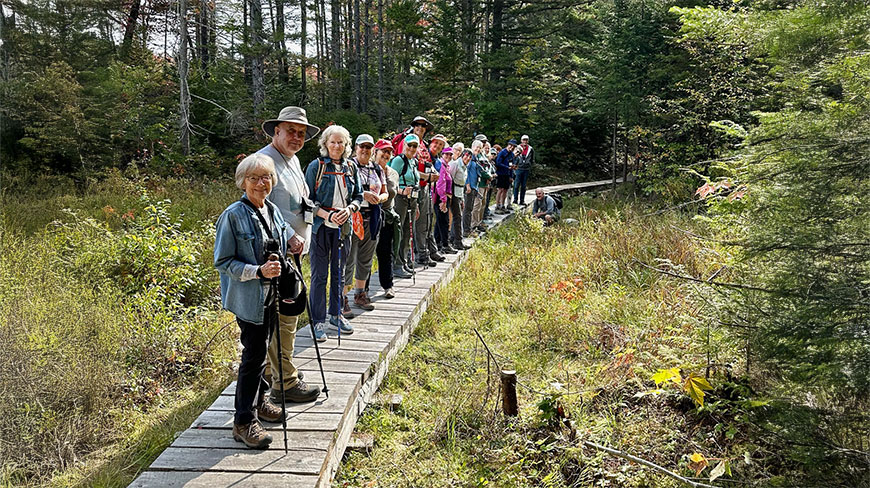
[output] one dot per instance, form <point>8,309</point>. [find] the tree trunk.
<point>258,76</point>
<point>184,93</point>
<point>613,159</point>
<point>357,72</point>
<point>280,44</point>
<point>303,19</point>
<point>497,35</point>
<point>335,6</point>
<point>380,60</point>
<point>367,39</point>
<point>130,28</point>
<point>468,31</point>
<point>6,47</point>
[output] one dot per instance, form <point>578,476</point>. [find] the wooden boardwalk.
<point>205,455</point>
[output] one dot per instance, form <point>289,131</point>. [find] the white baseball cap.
<point>364,139</point>
<point>525,137</point>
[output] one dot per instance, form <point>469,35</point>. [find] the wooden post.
<point>509,393</point>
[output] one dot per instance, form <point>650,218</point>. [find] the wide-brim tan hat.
<point>420,119</point>
<point>295,115</point>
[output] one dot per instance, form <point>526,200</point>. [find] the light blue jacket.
<point>238,243</point>
<point>322,195</point>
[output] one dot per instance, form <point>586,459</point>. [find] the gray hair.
<point>252,163</point>
<point>458,147</point>
<point>476,144</point>
<point>325,135</point>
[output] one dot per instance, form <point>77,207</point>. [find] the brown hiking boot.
<point>362,301</point>
<point>345,309</point>
<point>253,435</point>
<point>302,392</point>
<point>268,411</point>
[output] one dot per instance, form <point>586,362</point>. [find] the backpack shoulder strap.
<point>320,169</point>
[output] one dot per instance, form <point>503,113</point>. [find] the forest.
<point>743,124</point>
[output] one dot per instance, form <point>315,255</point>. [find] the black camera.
<point>271,246</point>
<point>290,289</point>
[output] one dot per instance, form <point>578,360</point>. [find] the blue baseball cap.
<point>412,139</point>
<point>512,142</point>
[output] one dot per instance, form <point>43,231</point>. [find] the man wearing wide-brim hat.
<point>289,132</point>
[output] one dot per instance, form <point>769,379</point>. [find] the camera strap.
<point>266,226</point>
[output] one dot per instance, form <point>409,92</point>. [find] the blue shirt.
<point>322,195</point>
<point>473,174</point>
<point>239,244</point>
<point>503,162</point>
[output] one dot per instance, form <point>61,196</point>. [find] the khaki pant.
<point>287,328</point>
<point>477,211</point>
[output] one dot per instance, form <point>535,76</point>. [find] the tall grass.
<point>577,312</point>
<point>107,312</point>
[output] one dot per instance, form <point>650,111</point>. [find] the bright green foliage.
<point>104,319</point>
<point>793,206</point>
<point>585,325</point>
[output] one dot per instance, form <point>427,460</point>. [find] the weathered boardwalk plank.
<point>205,455</point>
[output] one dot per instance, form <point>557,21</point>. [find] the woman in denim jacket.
<point>239,257</point>
<point>336,193</point>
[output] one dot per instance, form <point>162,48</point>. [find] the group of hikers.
<point>408,200</point>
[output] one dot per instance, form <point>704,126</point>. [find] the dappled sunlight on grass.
<point>576,310</point>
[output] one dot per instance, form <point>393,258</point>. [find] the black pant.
<point>384,252</point>
<point>252,383</point>
<point>442,220</point>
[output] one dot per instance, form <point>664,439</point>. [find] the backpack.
<point>557,199</point>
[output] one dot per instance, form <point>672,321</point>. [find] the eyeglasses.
<point>257,179</point>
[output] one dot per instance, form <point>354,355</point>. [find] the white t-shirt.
<point>339,194</point>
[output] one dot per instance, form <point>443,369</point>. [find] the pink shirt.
<point>444,185</point>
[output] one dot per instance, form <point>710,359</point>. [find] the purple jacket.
<point>444,185</point>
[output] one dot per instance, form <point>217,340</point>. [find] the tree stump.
<point>509,393</point>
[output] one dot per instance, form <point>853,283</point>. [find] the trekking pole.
<point>311,325</point>
<point>340,281</point>
<point>280,365</point>
<point>411,240</point>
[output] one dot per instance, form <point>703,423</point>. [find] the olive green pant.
<point>287,329</point>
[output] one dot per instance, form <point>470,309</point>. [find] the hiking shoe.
<point>436,257</point>
<point>268,411</point>
<point>339,323</point>
<point>302,392</point>
<point>448,250</point>
<point>388,293</point>
<point>426,262</point>
<point>362,301</point>
<point>252,434</point>
<point>319,333</point>
<point>401,273</point>
<point>345,308</point>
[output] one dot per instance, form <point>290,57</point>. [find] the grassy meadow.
<point>111,328</point>
<point>575,310</point>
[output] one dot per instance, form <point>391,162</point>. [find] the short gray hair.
<point>458,147</point>
<point>251,163</point>
<point>325,135</point>
<point>476,144</point>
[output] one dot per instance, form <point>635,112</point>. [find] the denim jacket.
<point>239,242</point>
<point>322,197</point>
